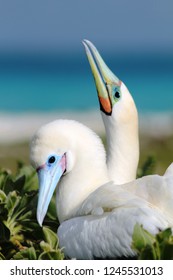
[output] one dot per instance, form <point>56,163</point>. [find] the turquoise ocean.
<point>44,82</point>
<point>36,89</point>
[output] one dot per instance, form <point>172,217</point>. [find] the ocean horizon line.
<point>56,62</point>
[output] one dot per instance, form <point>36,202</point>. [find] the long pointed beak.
<point>103,76</point>
<point>49,177</point>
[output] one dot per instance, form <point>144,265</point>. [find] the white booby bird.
<point>96,218</point>
<point>120,119</point>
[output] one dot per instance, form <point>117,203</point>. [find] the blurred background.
<point>44,72</point>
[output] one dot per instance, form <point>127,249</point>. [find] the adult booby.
<point>96,218</point>
<point>120,119</point>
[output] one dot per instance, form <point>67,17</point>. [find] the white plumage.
<point>96,218</point>
<point>120,119</point>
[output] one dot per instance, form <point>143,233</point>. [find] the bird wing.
<point>156,190</point>
<point>151,191</point>
<point>108,235</point>
<point>104,223</point>
<point>109,197</point>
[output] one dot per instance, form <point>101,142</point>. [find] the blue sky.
<point>52,25</point>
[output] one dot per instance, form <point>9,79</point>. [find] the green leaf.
<point>147,253</point>
<point>26,254</point>
<point>4,175</point>
<point>167,251</point>
<point>50,237</point>
<point>165,241</point>
<point>45,246</point>
<point>141,238</point>
<point>9,185</point>
<point>50,246</point>
<point>53,255</point>
<point>31,182</point>
<point>2,196</point>
<point>148,247</point>
<point>27,205</point>
<point>164,235</point>
<point>19,183</point>
<point>12,201</point>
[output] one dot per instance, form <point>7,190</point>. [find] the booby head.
<point>114,97</point>
<point>70,155</point>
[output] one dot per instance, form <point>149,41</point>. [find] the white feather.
<point>122,139</point>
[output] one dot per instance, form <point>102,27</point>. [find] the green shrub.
<point>20,235</point>
<point>149,247</point>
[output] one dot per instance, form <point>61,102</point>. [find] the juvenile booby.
<point>120,119</point>
<point>96,218</point>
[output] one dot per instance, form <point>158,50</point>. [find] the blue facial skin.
<point>49,175</point>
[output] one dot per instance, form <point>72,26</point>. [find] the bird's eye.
<point>51,159</point>
<point>117,94</point>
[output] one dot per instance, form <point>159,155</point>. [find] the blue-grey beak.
<point>49,176</point>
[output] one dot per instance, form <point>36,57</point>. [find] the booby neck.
<point>120,119</point>
<point>122,139</point>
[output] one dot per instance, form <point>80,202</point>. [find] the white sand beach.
<point>20,127</point>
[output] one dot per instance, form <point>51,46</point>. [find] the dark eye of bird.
<point>51,159</point>
<point>117,94</point>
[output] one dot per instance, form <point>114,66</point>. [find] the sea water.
<point>44,83</point>
<point>36,89</point>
